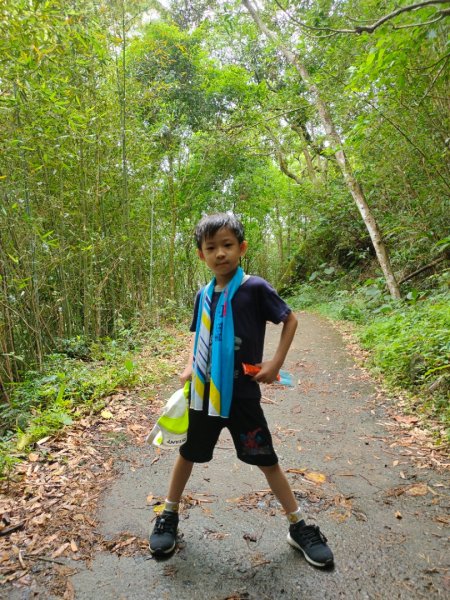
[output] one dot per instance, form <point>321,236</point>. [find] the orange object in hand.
<point>253,370</point>
<point>283,377</point>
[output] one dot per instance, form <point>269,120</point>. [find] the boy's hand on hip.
<point>268,373</point>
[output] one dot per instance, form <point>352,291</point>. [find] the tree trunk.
<point>281,158</point>
<point>309,164</point>
<point>346,169</point>
<point>306,154</point>
<point>173,227</point>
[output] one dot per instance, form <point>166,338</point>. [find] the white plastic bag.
<point>170,430</point>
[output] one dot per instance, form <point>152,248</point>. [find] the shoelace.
<point>312,535</point>
<point>164,524</point>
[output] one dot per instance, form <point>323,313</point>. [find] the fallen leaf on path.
<point>190,500</point>
<point>315,477</point>
<point>340,516</point>
<point>107,414</point>
<point>359,515</point>
<point>407,419</point>
<point>124,543</point>
<point>215,535</point>
<point>420,489</point>
<point>41,519</point>
<point>415,489</point>
<point>69,594</point>
<point>259,559</point>
<point>398,515</point>
<point>60,550</point>
<point>344,501</point>
<point>312,476</point>
<point>442,519</point>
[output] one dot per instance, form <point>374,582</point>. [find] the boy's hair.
<point>210,225</point>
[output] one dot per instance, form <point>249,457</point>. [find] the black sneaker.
<point>164,536</point>
<point>311,541</point>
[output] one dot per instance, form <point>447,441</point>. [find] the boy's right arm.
<point>187,373</point>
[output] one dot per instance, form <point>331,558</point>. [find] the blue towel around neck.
<point>221,347</point>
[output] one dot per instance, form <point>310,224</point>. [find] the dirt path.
<point>383,511</point>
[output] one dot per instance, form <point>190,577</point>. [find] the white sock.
<point>294,517</point>
<point>171,506</point>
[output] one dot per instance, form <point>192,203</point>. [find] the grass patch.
<point>77,380</point>
<point>410,347</point>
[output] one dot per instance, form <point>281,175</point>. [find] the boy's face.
<point>222,252</point>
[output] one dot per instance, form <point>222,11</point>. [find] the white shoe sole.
<point>294,544</point>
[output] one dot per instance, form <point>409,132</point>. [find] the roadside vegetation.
<point>78,380</point>
<point>408,340</point>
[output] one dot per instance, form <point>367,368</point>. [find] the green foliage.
<point>419,331</point>
<point>411,348</point>
<point>306,295</point>
<point>67,387</point>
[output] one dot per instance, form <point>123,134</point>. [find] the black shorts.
<point>247,425</point>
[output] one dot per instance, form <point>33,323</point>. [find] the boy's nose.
<point>220,252</point>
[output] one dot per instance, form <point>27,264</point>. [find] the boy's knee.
<point>269,470</point>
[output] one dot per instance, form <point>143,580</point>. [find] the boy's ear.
<point>200,254</point>
<point>243,247</point>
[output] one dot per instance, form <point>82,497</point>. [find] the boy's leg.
<point>181,472</point>
<point>280,487</point>
<point>307,538</point>
<point>164,536</point>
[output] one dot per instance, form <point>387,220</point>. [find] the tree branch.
<point>424,268</point>
<point>435,78</point>
<point>439,15</point>
<point>281,158</point>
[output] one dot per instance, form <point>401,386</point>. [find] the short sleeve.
<point>273,307</point>
<point>193,326</point>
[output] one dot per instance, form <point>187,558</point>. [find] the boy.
<point>229,322</point>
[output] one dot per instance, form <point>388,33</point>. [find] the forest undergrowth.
<point>78,380</point>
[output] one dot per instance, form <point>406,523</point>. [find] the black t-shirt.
<point>254,303</point>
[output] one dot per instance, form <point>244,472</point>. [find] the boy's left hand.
<point>268,373</point>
